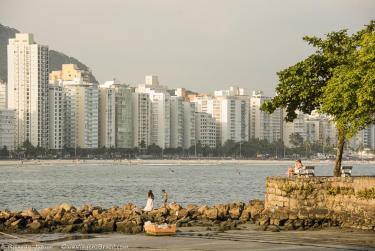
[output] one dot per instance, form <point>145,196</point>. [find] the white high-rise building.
<point>115,115</point>
<point>27,90</point>
<point>152,80</point>
<point>232,118</point>
<point>56,99</point>
<point>107,115</point>
<point>160,118</point>
<point>141,119</point>
<point>205,129</point>
<point>3,95</point>
<point>364,139</point>
<point>316,128</point>
<point>81,116</point>
<point>262,124</point>
<point>177,122</point>
<point>160,111</point>
<point>124,117</point>
<point>7,129</point>
<point>189,124</point>
<point>372,136</point>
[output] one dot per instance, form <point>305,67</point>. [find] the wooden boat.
<point>160,230</point>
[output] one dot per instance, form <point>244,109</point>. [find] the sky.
<point>203,45</point>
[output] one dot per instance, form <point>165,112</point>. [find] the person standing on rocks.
<point>165,197</point>
<point>150,202</point>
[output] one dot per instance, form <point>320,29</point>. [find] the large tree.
<point>338,79</point>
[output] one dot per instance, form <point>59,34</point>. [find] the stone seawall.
<point>320,201</point>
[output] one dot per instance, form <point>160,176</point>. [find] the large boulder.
<point>183,213</point>
<point>211,213</point>
<point>235,213</point>
<point>173,207</point>
<point>45,212</point>
<point>31,212</point>
<point>5,215</point>
<point>222,211</point>
<point>34,226</point>
<point>58,214</point>
<point>129,206</point>
<point>256,208</point>
<point>202,210</point>
<point>67,207</point>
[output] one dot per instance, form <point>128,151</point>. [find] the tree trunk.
<point>340,151</point>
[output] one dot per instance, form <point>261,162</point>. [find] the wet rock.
<point>109,226</point>
<point>264,220</point>
<point>128,227</point>
<point>70,228</point>
<point>34,226</point>
<point>273,228</point>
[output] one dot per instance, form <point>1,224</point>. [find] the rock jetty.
<point>129,219</point>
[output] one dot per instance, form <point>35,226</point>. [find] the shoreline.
<point>161,162</point>
<point>247,237</point>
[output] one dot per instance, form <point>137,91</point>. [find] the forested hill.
<point>56,58</point>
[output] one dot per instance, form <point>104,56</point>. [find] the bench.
<point>346,171</point>
<point>307,171</point>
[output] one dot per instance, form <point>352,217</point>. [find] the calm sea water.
<point>42,186</point>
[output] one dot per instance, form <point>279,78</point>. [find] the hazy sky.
<point>201,45</point>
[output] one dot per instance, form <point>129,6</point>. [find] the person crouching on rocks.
<point>165,197</point>
<point>150,202</point>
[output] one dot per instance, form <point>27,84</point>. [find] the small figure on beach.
<point>150,202</point>
<point>296,169</point>
<point>165,197</point>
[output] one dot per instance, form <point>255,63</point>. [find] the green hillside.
<point>56,59</point>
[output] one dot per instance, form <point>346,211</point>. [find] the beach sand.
<point>168,162</point>
<point>249,237</point>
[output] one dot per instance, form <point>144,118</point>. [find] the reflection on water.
<point>107,185</point>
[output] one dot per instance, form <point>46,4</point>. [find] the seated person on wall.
<point>296,169</point>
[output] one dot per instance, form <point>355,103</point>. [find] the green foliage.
<point>288,189</point>
<point>296,139</point>
<point>335,190</point>
<point>4,152</point>
<point>349,95</point>
<point>367,193</point>
<point>305,189</point>
<point>338,79</point>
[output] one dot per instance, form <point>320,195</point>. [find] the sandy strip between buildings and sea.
<point>167,162</point>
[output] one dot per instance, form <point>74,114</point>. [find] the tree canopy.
<point>338,79</point>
